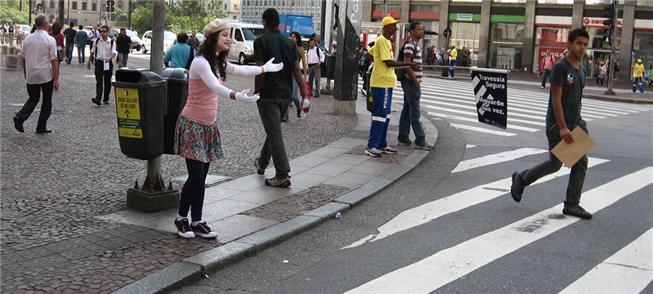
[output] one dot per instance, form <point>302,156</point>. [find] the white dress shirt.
<point>104,49</point>
<point>39,49</point>
<point>311,56</point>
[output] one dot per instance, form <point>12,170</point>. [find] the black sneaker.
<point>278,182</point>
<point>284,117</point>
<point>259,169</point>
<point>18,124</point>
<point>183,229</point>
<point>204,231</point>
<point>423,147</point>
<point>405,143</point>
<point>106,102</point>
<point>577,211</point>
<point>517,187</point>
<point>96,101</point>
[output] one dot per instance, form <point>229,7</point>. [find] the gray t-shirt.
<point>572,81</point>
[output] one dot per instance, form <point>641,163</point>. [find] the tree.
<point>11,14</point>
<point>181,16</point>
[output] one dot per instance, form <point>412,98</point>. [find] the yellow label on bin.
<point>127,105</point>
<point>130,133</point>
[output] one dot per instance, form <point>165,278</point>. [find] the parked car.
<point>169,39</point>
<point>242,41</point>
<point>137,43</point>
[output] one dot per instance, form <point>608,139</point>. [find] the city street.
<point>450,225</point>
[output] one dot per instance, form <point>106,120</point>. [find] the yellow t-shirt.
<point>453,55</point>
<point>382,75</point>
<point>638,70</point>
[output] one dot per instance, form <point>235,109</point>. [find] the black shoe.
<point>577,211</point>
<point>299,113</point>
<point>96,101</point>
<point>183,229</point>
<point>204,231</point>
<point>278,182</point>
<point>259,169</point>
<point>284,117</point>
<point>106,102</point>
<point>18,124</point>
<point>423,147</point>
<point>43,131</point>
<point>517,187</point>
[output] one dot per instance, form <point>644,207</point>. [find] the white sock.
<point>195,223</point>
<point>179,217</point>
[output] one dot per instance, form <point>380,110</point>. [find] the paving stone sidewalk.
<point>54,186</point>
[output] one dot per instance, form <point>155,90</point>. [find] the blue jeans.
<point>81,54</point>
<point>638,83</point>
<point>451,71</point>
<point>69,52</point>
<point>380,118</point>
<point>410,114</point>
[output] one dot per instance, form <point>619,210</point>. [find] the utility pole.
<point>129,14</point>
<point>61,12</point>
<point>612,12</point>
<point>29,7</point>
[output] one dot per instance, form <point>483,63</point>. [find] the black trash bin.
<point>140,98</point>
<point>331,67</point>
<point>177,93</point>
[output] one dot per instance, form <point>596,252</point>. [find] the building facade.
<point>251,10</point>
<point>232,7</point>
<point>84,12</point>
<point>515,34</point>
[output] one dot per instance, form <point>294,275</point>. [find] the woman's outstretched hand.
<point>272,67</point>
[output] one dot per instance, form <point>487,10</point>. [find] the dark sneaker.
<point>204,231</point>
<point>577,211</point>
<point>259,169</point>
<point>43,131</point>
<point>402,143</point>
<point>388,150</point>
<point>278,182</point>
<point>423,147</point>
<point>299,113</point>
<point>183,229</point>
<point>106,102</point>
<point>284,117</point>
<point>96,101</point>
<point>373,152</point>
<point>517,187</point>
<point>18,124</point>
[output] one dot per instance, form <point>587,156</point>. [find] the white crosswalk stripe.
<point>629,270</point>
<point>455,101</point>
<point>450,264</point>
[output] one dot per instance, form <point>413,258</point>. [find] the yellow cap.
<point>639,60</point>
<point>388,20</point>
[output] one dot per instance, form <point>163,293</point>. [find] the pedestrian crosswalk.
<point>628,270</point>
<point>455,102</point>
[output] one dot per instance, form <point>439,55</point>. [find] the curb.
<point>196,267</point>
<point>615,99</point>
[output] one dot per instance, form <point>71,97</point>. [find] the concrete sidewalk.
<point>246,213</point>
<point>526,81</point>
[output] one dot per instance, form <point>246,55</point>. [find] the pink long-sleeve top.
<point>204,88</point>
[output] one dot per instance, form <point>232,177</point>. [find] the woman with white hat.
<point>197,138</point>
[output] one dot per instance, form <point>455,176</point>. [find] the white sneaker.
<point>389,150</point>
<point>373,152</point>
<point>183,229</point>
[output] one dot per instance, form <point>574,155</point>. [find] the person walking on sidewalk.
<point>104,50</point>
<point>70,34</point>
<point>181,54</point>
<point>410,113</point>
<point>123,45</point>
<point>275,90</point>
<point>563,114</point>
<point>638,76</point>
<point>59,39</point>
<point>296,38</point>
<point>547,64</point>
<point>80,41</point>
<point>193,41</point>
<point>382,82</point>
<point>314,57</point>
<point>41,72</point>
<point>197,137</point>
<point>453,55</point>
<point>603,72</point>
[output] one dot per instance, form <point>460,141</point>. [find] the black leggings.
<point>192,194</point>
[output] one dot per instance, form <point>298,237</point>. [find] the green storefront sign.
<point>471,17</point>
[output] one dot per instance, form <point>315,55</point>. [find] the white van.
<point>169,39</point>
<point>242,41</point>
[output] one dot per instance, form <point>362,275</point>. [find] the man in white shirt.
<point>314,56</point>
<point>104,50</point>
<point>41,71</point>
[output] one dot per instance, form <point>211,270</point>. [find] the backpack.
<point>400,72</point>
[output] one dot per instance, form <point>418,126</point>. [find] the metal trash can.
<point>331,67</point>
<point>177,92</point>
<point>140,98</point>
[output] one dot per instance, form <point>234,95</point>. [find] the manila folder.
<point>569,154</point>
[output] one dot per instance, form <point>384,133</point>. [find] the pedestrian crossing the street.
<point>627,270</point>
<point>454,101</point>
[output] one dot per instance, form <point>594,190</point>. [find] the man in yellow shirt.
<point>453,55</point>
<point>638,76</point>
<point>382,81</point>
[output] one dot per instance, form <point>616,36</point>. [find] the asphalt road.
<point>451,226</point>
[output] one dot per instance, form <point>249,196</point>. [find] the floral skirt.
<point>197,141</point>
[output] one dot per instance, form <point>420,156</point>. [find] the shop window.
<point>506,45</point>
